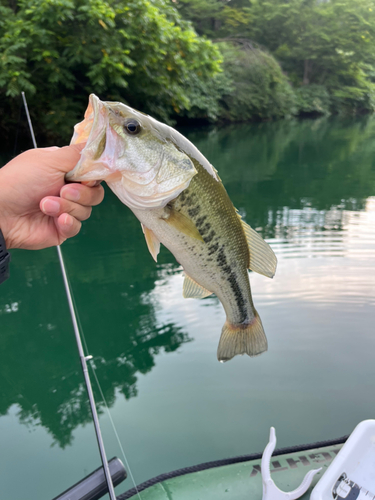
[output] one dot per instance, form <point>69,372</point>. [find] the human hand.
<point>37,208</point>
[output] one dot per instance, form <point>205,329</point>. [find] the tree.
<point>59,51</point>
<point>323,43</point>
<point>326,44</point>
<point>259,90</point>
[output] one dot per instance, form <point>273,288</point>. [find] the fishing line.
<point>115,432</point>
<point>82,356</point>
<point>93,368</point>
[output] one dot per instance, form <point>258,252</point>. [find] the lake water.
<point>309,188</point>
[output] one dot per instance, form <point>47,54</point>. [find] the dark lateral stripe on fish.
<point>193,212</point>
<point>200,221</point>
<point>203,230</point>
<point>186,198</point>
<point>209,237</point>
<point>213,248</point>
<point>233,283</point>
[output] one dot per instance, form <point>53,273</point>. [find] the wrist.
<point>4,260</point>
<point>4,227</point>
<point>5,217</point>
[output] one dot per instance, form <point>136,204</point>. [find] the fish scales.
<point>224,253</point>
<point>181,202</point>
<point>222,257</point>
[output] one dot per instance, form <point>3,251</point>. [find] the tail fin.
<point>242,339</point>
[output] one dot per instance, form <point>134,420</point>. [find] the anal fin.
<point>192,289</point>
<point>153,243</point>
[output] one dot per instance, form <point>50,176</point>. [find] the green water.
<point>309,189</point>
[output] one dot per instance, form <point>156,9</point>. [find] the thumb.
<point>65,158</point>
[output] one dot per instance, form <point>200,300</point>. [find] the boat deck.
<point>240,480</point>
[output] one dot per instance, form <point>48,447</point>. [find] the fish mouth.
<point>93,130</point>
<point>142,177</point>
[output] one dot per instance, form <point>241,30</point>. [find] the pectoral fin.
<point>262,258</point>
<point>192,290</point>
<point>183,224</point>
<point>152,242</point>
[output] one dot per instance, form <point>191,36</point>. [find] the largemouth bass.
<point>181,202</point>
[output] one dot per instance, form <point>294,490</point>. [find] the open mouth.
<point>92,130</point>
<point>83,129</point>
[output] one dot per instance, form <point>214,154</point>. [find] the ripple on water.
<point>306,233</point>
<point>323,257</point>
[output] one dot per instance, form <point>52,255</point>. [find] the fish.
<point>181,202</point>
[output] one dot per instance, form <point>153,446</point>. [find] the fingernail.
<point>51,206</point>
<point>72,194</point>
<point>68,221</point>
<point>89,183</point>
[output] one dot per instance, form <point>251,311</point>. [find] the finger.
<point>54,207</point>
<point>62,159</point>
<point>67,226</point>
<point>83,195</point>
<point>91,183</point>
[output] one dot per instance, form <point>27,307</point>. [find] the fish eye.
<point>132,127</point>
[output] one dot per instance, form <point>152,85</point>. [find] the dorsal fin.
<point>192,290</point>
<point>262,258</point>
<point>153,243</point>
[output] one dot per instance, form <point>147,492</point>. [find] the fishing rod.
<point>82,356</point>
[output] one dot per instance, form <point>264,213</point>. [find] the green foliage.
<point>59,51</point>
<point>142,52</point>
<point>259,88</point>
<point>215,18</point>
<point>205,96</point>
<point>355,96</point>
<point>313,99</point>
<point>327,44</point>
<point>204,14</point>
<point>322,43</point>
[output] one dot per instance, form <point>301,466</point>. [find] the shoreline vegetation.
<point>185,61</point>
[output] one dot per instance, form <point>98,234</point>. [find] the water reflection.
<point>319,233</point>
<point>39,364</point>
<point>343,244</point>
<point>308,187</point>
<point>342,241</point>
<point>317,164</point>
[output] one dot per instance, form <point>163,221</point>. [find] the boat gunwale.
<point>226,461</point>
